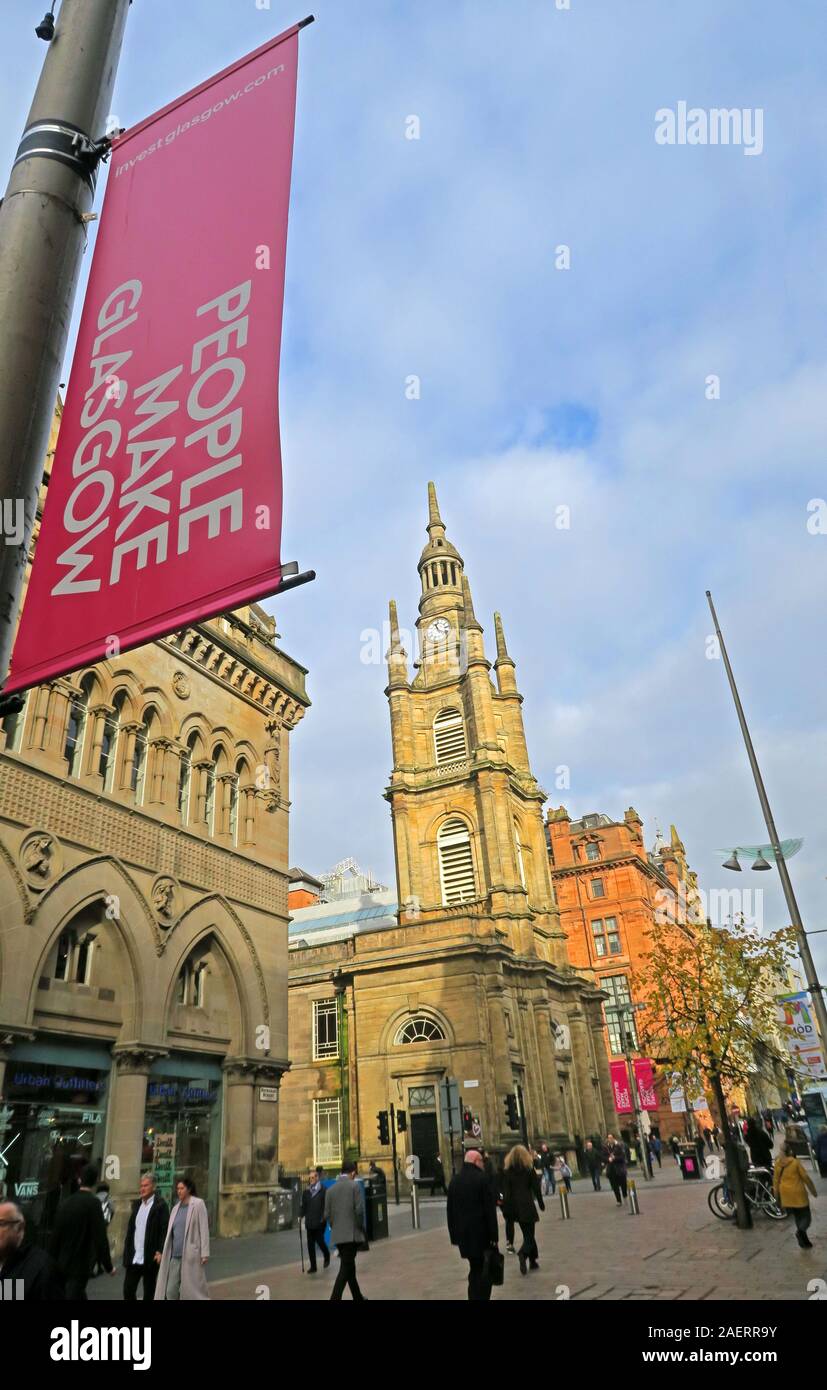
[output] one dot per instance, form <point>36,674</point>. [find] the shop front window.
<point>182,1135</point>
<point>52,1123</point>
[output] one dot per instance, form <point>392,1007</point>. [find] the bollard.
<point>565,1214</point>
<point>414,1207</point>
<point>634,1204</point>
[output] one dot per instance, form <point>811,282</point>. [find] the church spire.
<point>396,656</point>
<point>434,518</point>
<point>440,566</point>
<point>504,666</point>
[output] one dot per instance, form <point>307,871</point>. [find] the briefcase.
<point>494,1266</point>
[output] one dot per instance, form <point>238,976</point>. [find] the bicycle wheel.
<point>765,1199</point>
<point>718,1204</point>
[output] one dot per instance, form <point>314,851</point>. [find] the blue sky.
<point>541,387</point>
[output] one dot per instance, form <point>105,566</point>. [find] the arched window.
<point>109,743</point>
<point>519,849</point>
<point>13,726</point>
<point>456,863</point>
<point>242,775</point>
<point>76,726</point>
<point>449,736</point>
<point>139,759</point>
<point>185,779</point>
<point>419,1030</point>
<point>209,798</point>
<point>190,989</point>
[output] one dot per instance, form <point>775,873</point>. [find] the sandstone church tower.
<point>472,863</point>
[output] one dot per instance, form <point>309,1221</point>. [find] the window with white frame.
<point>605,936</point>
<point>419,1030</point>
<point>617,987</point>
<point>456,863</point>
<point>325,1029</point>
<point>327,1131</point>
<point>449,736</point>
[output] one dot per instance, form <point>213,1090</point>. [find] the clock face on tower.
<point>438,630</point>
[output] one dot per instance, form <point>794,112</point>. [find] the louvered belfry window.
<point>456,864</point>
<point>449,736</point>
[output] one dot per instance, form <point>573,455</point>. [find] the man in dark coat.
<point>144,1244</point>
<point>40,1276</point>
<point>79,1237</point>
<point>616,1168</point>
<point>438,1177</point>
<point>759,1144</point>
<point>472,1221</point>
<point>313,1213</point>
<point>593,1162</point>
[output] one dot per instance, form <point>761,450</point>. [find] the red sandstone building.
<point>607,886</point>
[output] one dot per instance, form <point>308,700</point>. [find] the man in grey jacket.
<point>344,1208</point>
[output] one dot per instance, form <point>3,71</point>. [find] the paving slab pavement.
<point>674,1250</point>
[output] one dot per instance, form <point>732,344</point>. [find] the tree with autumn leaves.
<point>710,1001</point>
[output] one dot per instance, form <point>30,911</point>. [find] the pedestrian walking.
<point>312,1211</point>
<point>820,1150</point>
<point>344,1208</point>
<point>472,1222</point>
<point>79,1238</point>
<point>522,1190</point>
<point>593,1164</point>
<point>144,1242</point>
<point>181,1273</point>
<point>616,1170</point>
<point>509,1220</point>
<point>20,1260</point>
<point>676,1150</point>
<point>716,1136</point>
<point>438,1177</point>
<point>759,1144</point>
<point>769,1123</point>
<point>655,1148</point>
<point>547,1174</point>
<point>562,1171</point>
<point>791,1182</point>
<point>377,1177</point>
<point>708,1138</point>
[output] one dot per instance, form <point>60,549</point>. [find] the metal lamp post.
<point>813,984</point>
<point>622,1012</point>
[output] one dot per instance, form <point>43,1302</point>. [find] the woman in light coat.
<point>181,1273</point>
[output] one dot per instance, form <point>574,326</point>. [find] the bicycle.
<point>759,1195</point>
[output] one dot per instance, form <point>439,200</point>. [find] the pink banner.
<point>644,1083</point>
<point>164,505</point>
<point>644,1080</point>
<point>620,1088</point>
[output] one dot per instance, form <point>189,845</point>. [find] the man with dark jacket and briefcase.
<point>144,1244</point>
<point>472,1222</point>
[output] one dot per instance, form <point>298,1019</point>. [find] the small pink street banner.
<point>165,499</point>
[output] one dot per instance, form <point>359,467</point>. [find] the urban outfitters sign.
<point>164,504</point>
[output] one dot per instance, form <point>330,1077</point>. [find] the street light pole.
<point>813,985</point>
<point>43,221</point>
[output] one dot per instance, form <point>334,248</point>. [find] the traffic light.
<point>401,1122</point>
<point>467,1121</point>
<point>384,1127</point>
<point>512,1118</point>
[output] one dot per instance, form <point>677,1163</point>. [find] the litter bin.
<point>690,1167</point>
<point>279,1209</point>
<point>376,1210</point>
